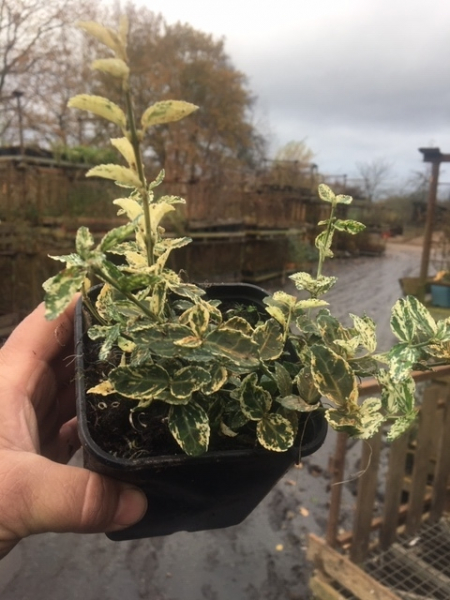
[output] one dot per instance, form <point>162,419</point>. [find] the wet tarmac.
<point>260,559</point>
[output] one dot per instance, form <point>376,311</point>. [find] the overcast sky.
<point>359,79</point>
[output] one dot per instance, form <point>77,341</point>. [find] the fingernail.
<point>132,507</point>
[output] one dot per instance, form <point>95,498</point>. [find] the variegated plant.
<point>171,348</point>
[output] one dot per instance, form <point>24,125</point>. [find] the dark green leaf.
<point>270,340</point>
<point>188,380</point>
<point>275,432</point>
<point>189,425</point>
<point>142,382</point>
<point>233,345</point>
<point>255,401</point>
<point>284,381</point>
<point>293,402</point>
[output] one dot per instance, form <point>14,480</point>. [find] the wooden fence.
<point>416,489</point>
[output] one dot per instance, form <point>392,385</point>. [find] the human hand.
<point>38,435</point>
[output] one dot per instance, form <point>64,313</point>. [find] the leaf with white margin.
<point>189,426</point>
<point>166,111</point>
<point>112,66</point>
<point>102,107</point>
<point>121,175</point>
<point>123,145</point>
<point>275,432</point>
<point>326,193</point>
<point>366,329</point>
<point>333,376</point>
<point>106,36</point>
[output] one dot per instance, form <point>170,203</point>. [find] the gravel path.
<point>261,559</point>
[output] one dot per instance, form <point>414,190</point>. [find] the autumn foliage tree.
<point>49,61</point>
<point>177,61</point>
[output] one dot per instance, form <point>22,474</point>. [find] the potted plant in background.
<point>193,391</point>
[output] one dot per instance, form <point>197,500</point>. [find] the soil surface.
<point>260,559</point>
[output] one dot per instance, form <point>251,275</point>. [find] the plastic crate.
<point>440,295</point>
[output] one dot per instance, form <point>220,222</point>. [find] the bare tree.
<point>28,44</point>
<point>374,175</point>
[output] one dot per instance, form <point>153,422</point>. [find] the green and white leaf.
<point>366,329</point>
<point>102,107</point>
<point>166,111</point>
<point>283,379</point>
<point>189,426</point>
<point>411,321</point>
<point>270,340</point>
<point>361,422</point>
<point>198,319</point>
<point>333,376</point>
<point>106,36</point>
<point>397,398</point>
<point>234,346</point>
<point>60,289</point>
<point>293,402</point>
<point>280,306</point>
<point>84,242</point>
<point>105,388</point>
<point>218,377</point>
<point>306,386</point>
<point>139,383</point>
<point>349,226</point>
<point>400,426</point>
<point>161,340</point>
<point>255,401</point>
<point>116,236</point>
<point>402,358</point>
<point>188,380</point>
<point>123,145</point>
<point>158,298</point>
<point>370,417</point>
<point>323,243</point>
<point>309,303</point>
<point>443,330</point>
<point>112,66</point>
<point>326,194</point>
<point>122,175</point>
<point>129,207</point>
<point>343,199</point>
<point>275,432</point>
<point>316,287</point>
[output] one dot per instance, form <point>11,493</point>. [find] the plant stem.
<point>91,307</point>
<point>128,295</point>
<point>328,234</point>
<point>134,140</point>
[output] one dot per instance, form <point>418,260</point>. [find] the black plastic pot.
<point>215,490</point>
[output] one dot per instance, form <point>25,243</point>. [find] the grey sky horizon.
<point>359,80</point>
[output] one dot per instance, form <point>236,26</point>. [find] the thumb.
<point>52,497</point>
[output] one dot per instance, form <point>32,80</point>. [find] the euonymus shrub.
<point>213,370</point>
